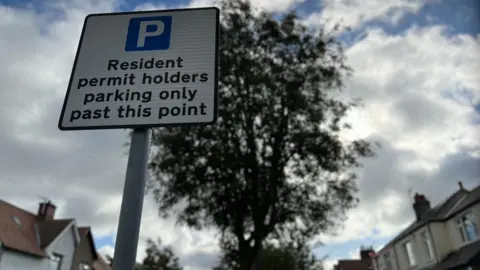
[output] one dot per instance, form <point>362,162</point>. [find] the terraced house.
<point>31,241</point>
<point>444,237</point>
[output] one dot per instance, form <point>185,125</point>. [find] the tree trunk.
<point>257,262</point>
<point>246,258</point>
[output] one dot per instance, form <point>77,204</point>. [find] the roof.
<point>457,202</point>
<point>465,256</point>
<point>50,229</point>
<point>353,265</point>
<point>21,231</point>
<point>85,232</point>
<point>21,237</point>
<point>101,264</point>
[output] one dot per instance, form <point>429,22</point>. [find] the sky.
<point>416,69</point>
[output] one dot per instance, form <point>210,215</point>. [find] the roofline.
<point>14,206</point>
<point>23,252</point>
<point>60,235</point>
<point>89,235</point>
<point>453,210</point>
<point>92,246</point>
<point>427,222</point>
<point>462,209</point>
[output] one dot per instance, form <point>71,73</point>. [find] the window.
<point>408,246</point>
<point>388,261</point>
<point>17,220</point>
<point>56,262</point>
<point>427,243</point>
<point>467,227</point>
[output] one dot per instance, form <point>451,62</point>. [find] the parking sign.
<point>144,69</point>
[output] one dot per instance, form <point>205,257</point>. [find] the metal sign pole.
<point>132,201</point>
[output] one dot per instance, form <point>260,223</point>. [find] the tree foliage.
<point>274,164</point>
<point>158,258</point>
<point>283,257</point>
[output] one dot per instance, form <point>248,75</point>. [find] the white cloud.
<point>428,141</point>
<point>329,263</point>
<point>106,251</point>
<point>354,13</point>
<point>269,5</point>
<point>404,81</point>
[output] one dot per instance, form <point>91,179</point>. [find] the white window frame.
<point>427,244</point>
<point>462,227</point>
<point>411,259</point>
<point>58,260</point>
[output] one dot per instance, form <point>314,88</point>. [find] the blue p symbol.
<point>149,33</point>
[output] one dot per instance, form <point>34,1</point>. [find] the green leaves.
<point>158,258</point>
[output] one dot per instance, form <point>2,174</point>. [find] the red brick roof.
<point>50,229</point>
<point>83,231</point>
<point>21,231</point>
<point>19,236</point>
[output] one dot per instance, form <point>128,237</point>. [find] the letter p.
<point>149,33</point>
<point>143,31</point>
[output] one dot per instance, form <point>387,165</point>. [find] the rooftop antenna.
<point>44,199</point>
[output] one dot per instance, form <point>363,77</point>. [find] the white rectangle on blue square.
<point>171,55</point>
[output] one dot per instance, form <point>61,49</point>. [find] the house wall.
<point>83,253</point>
<point>65,246</point>
<point>12,260</point>
<point>421,254</point>
<point>381,264</point>
<point>445,238</point>
<point>422,259</point>
<point>451,226</point>
<point>442,239</point>
<point>401,254</point>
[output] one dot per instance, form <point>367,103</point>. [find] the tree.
<point>159,259</point>
<point>274,164</point>
<point>284,257</point>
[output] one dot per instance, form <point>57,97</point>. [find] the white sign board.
<point>144,69</point>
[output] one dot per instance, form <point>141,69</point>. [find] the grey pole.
<point>132,201</point>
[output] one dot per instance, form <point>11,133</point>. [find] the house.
<point>441,238</point>
<point>41,242</point>
<point>364,263</point>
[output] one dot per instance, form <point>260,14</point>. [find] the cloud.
<point>82,172</point>
<point>418,88</point>
<point>269,5</point>
<point>355,13</point>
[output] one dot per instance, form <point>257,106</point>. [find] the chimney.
<point>366,253</point>
<point>46,211</point>
<point>421,205</point>
<point>460,184</point>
